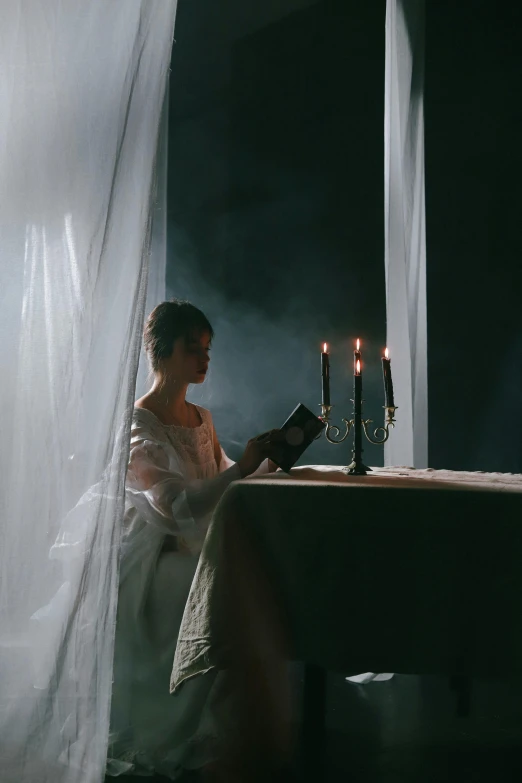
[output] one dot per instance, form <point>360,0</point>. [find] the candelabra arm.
<point>325,416</point>
<point>376,439</point>
<point>390,422</point>
<point>335,439</point>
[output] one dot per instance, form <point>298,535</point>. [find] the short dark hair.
<point>169,321</point>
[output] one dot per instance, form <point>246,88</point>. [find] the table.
<point>402,570</point>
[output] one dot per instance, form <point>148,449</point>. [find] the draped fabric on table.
<point>405,240</point>
<point>81,96</point>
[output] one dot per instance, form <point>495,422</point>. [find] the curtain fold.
<point>157,275</point>
<point>80,105</point>
<point>405,233</point>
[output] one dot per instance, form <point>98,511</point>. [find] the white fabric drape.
<point>405,235</point>
<point>156,285</point>
<point>81,95</point>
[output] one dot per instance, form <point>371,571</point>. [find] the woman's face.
<point>190,358</point>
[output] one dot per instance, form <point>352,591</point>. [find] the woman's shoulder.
<point>144,418</point>
<point>206,416</point>
<point>145,423</point>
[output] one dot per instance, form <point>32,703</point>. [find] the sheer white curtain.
<point>405,234</point>
<point>156,285</point>
<point>81,96</point>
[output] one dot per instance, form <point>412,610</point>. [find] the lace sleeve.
<point>162,494</point>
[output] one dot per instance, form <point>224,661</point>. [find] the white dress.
<point>173,484</point>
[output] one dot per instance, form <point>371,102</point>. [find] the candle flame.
<point>325,348</point>
<point>358,344</point>
<point>387,353</point>
<point>358,365</point>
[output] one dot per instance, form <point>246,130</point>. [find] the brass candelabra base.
<point>358,425</point>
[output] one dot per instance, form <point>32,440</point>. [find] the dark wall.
<point>306,163</point>
<point>276,218</point>
<point>474,245</point>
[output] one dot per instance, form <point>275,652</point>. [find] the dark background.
<point>474,247</point>
<point>276,207</point>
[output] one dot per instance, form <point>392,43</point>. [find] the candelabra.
<point>358,424</point>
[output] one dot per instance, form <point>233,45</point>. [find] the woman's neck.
<point>167,400</point>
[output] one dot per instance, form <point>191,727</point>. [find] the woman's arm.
<point>217,448</point>
<point>162,494</point>
<point>223,462</point>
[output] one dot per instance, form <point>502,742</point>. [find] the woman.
<point>177,472</point>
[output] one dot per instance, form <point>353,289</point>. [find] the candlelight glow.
<point>358,344</point>
<point>358,365</point>
<point>325,348</point>
<point>386,353</point>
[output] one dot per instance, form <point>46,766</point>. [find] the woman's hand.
<point>257,450</point>
<point>272,467</point>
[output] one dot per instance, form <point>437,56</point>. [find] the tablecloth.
<point>411,571</point>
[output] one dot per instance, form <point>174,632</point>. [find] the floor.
<point>407,730</point>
